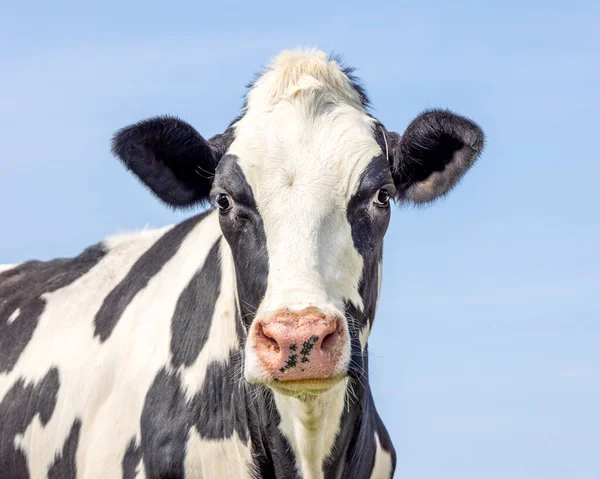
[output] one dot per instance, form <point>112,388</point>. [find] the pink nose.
<point>300,345</point>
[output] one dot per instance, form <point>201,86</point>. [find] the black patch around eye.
<point>230,179</point>
<point>368,224</point>
<point>367,231</point>
<point>244,231</point>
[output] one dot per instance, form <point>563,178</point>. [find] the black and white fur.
<point>133,359</point>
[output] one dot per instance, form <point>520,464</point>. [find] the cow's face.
<point>304,197</point>
<point>303,183</point>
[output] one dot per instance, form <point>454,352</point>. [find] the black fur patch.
<point>368,223</point>
<point>144,269</point>
<point>352,78</point>
<point>271,452</point>
<point>216,411</point>
<point>22,287</point>
<point>65,466</point>
<point>20,405</point>
<point>354,450</point>
<point>220,143</point>
<point>194,311</point>
<point>131,459</point>
<point>165,424</point>
<point>243,229</point>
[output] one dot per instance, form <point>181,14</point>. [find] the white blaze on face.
<point>303,144</point>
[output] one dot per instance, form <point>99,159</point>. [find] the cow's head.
<point>303,181</point>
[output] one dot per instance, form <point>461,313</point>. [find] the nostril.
<point>329,341</point>
<point>265,338</point>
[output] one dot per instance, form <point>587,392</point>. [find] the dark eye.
<point>383,198</point>
<point>224,202</point>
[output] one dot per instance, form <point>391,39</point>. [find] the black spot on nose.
<point>291,362</point>
<point>307,347</point>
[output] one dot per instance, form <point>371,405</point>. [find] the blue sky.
<point>485,357</point>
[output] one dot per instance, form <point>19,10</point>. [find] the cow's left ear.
<point>436,149</point>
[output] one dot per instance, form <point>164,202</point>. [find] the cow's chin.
<point>306,387</point>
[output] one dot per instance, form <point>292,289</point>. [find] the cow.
<point>233,344</point>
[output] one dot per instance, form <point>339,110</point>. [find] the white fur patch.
<point>363,336</point>
<point>122,240</point>
<point>382,469</point>
<point>311,424</point>
<point>6,267</point>
<point>219,459</point>
<point>294,71</point>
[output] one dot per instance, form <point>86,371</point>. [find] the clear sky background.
<point>485,356</point>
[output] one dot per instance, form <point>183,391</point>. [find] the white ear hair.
<point>441,182</point>
<point>387,151</point>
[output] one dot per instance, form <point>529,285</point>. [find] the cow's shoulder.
<point>22,301</point>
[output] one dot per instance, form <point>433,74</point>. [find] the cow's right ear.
<point>170,157</point>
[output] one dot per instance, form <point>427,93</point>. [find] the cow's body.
<point>160,354</point>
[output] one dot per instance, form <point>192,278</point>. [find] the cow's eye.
<point>223,202</point>
<point>383,198</point>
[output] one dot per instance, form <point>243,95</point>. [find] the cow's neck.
<point>310,424</point>
<point>312,438</point>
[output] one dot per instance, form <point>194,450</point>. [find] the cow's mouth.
<point>305,387</point>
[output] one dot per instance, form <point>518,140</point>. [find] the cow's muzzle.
<point>301,347</point>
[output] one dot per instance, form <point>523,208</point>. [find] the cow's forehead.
<point>290,148</point>
<point>304,126</point>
